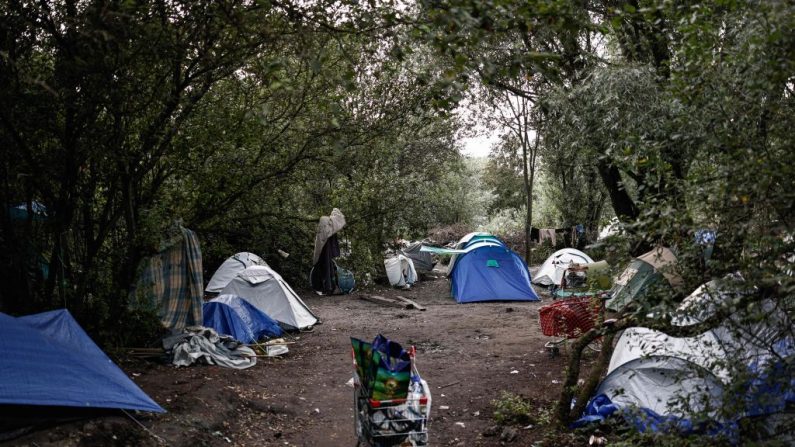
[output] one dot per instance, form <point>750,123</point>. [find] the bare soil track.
<point>467,353</point>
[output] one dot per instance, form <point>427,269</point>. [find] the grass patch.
<point>511,408</point>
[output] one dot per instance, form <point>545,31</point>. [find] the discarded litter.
<point>460,424</point>
<point>444,407</point>
<point>276,350</point>
<point>515,371</point>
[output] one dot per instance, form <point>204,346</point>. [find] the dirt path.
<point>304,400</point>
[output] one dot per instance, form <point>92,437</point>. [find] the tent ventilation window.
<point>492,263</point>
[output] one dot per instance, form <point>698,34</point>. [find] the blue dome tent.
<point>485,269</point>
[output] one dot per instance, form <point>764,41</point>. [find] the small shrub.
<point>511,409</point>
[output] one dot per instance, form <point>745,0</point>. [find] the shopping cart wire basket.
<point>396,422</point>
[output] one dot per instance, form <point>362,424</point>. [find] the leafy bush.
<point>511,408</point>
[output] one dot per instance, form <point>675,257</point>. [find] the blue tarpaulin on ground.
<point>47,359</point>
<point>234,316</point>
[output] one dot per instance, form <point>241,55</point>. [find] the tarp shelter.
<point>423,261</point>
<point>171,281</point>
<point>659,382</point>
<point>236,317</point>
<point>323,276</point>
<point>267,291</point>
<point>49,360</point>
<point>646,273</point>
<point>487,270</point>
<point>400,271</point>
<point>552,270</point>
<point>230,268</point>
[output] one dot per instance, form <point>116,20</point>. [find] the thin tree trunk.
<point>623,205</point>
<point>528,188</point>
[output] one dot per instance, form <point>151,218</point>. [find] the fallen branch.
<point>411,302</point>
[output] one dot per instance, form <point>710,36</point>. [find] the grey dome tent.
<point>230,268</point>
<point>660,382</point>
<point>645,273</point>
<point>267,291</point>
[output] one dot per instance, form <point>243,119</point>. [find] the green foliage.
<point>503,176</point>
<point>510,408</point>
<point>683,126</point>
<point>248,123</point>
<point>134,328</point>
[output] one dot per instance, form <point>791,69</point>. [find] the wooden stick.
<point>411,302</point>
<point>449,384</point>
<point>142,349</point>
<point>384,301</point>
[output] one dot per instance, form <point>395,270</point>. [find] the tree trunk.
<point>528,189</point>
<point>623,205</point>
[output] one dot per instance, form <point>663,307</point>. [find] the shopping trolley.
<point>397,422</point>
<point>570,318</point>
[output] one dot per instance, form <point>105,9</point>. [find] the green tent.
<point>645,273</point>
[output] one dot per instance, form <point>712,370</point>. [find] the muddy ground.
<point>468,353</point>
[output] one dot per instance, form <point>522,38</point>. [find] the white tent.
<point>552,270</point>
<point>233,266</point>
<point>267,291</point>
<point>678,377</point>
<point>400,271</point>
